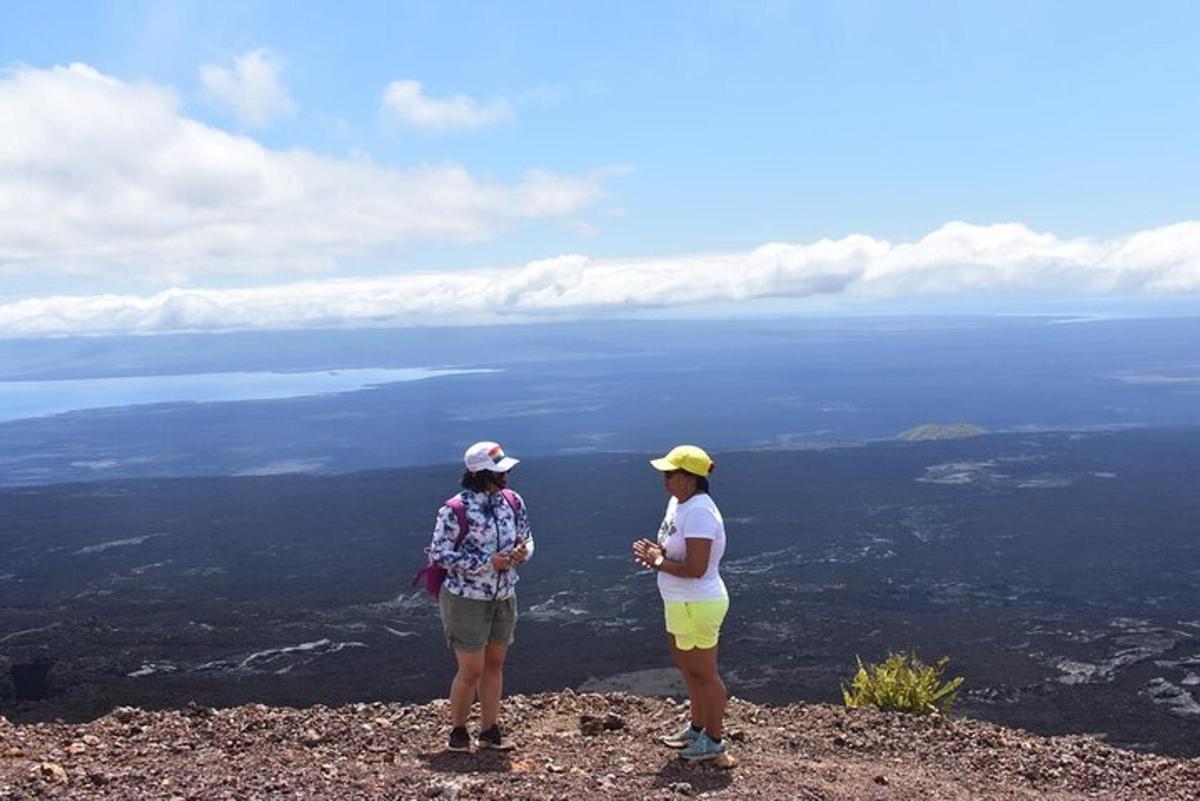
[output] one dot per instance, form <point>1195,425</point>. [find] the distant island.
<point>932,431</point>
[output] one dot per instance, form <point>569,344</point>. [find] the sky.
<point>217,165</point>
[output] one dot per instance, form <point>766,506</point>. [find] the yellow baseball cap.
<point>685,457</point>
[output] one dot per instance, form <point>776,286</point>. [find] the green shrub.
<point>904,684</point>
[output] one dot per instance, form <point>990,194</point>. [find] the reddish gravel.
<point>390,751</point>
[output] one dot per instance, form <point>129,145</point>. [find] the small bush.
<point>904,684</point>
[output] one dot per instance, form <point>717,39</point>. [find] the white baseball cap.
<point>488,456</point>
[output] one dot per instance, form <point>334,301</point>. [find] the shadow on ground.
<point>476,762</point>
<point>703,777</point>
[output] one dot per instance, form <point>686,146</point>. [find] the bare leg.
<point>466,682</point>
<point>695,690</point>
<point>491,683</point>
<point>701,665</point>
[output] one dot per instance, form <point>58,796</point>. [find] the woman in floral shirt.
<point>478,601</point>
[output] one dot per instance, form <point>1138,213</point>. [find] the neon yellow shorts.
<point>695,624</point>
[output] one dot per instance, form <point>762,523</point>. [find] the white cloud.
<point>250,89</point>
<point>958,259</point>
<point>405,103</point>
<point>104,177</point>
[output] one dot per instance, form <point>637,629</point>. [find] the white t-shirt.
<point>696,518</point>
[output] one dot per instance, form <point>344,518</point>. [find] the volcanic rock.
<point>806,751</point>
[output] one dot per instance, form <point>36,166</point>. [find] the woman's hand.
<point>521,552</point>
<point>645,552</point>
<point>501,561</point>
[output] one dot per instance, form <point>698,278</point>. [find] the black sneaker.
<point>493,739</point>
<point>459,739</point>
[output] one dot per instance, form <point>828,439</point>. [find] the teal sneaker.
<point>681,738</point>
<point>702,748</point>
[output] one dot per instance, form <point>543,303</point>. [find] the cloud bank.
<point>251,89</point>
<point>405,103</point>
<point>958,259</point>
<point>104,177</point>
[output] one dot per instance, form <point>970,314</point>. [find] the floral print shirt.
<point>492,527</point>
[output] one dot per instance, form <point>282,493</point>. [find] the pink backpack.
<point>431,576</point>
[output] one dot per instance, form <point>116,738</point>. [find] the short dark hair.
<point>478,481</point>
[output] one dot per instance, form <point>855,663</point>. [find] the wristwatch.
<point>658,561</point>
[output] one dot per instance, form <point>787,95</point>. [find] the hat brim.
<point>504,465</point>
<point>664,465</point>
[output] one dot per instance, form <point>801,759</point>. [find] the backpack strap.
<point>456,505</point>
<point>460,513</point>
<point>513,500</point>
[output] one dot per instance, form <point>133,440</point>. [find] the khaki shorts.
<point>470,624</point>
<point>695,624</point>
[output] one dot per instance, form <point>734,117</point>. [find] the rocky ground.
<point>571,746</point>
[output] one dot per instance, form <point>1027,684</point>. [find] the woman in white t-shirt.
<point>687,556</point>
